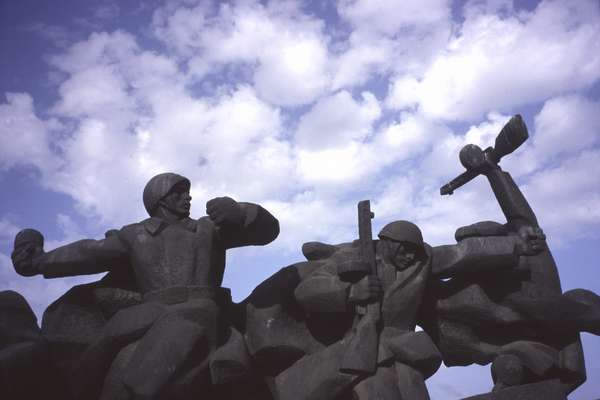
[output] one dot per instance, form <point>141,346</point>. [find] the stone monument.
<point>339,326</point>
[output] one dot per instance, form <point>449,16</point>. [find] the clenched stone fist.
<point>225,210</point>
<point>29,246</point>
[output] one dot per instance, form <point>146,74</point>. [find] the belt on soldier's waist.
<point>181,294</point>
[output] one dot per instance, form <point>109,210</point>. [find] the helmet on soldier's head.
<point>402,231</point>
<point>158,187</point>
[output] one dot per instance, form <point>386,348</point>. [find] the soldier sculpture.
<point>178,266</point>
<point>498,307</point>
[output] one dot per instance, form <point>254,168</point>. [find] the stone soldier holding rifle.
<point>383,357</point>
<point>405,265</point>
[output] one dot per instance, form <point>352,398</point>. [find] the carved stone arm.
<point>475,254</point>
<point>83,257</point>
<point>515,207</point>
<point>259,227</point>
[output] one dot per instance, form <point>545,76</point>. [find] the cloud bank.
<point>309,112</point>
<point>272,103</point>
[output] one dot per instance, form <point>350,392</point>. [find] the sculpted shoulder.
<point>205,223</point>
<point>129,233</point>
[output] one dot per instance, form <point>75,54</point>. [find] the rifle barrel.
<point>457,182</point>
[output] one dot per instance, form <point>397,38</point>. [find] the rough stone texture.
<point>546,390</point>
<point>73,322</point>
<point>277,331</point>
<point>23,353</point>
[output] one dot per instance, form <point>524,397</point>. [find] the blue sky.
<point>305,108</point>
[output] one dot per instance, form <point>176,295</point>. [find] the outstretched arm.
<point>78,258</point>
<point>475,254</point>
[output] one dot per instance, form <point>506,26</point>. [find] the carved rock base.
<point>547,390</point>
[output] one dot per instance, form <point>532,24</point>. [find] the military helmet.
<point>402,231</point>
<point>158,187</point>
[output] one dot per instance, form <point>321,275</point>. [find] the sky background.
<point>305,108</point>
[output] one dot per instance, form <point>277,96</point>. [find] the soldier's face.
<point>401,254</point>
<point>178,200</point>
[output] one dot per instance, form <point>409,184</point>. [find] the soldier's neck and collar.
<point>156,224</point>
<point>165,216</point>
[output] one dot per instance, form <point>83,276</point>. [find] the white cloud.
<point>388,16</point>
<point>132,114</point>
<point>287,48</point>
<point>339,147</point>
<point>408,138</point>
<point>219,147</point>
<point>498,63</point>
<point>363,57</point>
<point>180,27</point>
<point>97,89</point>
<point>403,93</point>
<point>389,37</point>
<point>294,72</point>
<point>414,195</point>
<point>567,198</point>
<point>566,125</point>
<point>336,120</point>
<point>24,138</point>
<point>309,216</point>
<point>333,167</point>
<point>8,230</point>
<point>99,48</point>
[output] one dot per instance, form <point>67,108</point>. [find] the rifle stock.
<point>362,349</point>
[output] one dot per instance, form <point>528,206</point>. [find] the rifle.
<point>362,351</point>
<point>512,135</point>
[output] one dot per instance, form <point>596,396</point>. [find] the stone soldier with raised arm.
<point>166,343</point>
<point>407,271</point>
<point>519,320</point>
<point>405,267</point>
